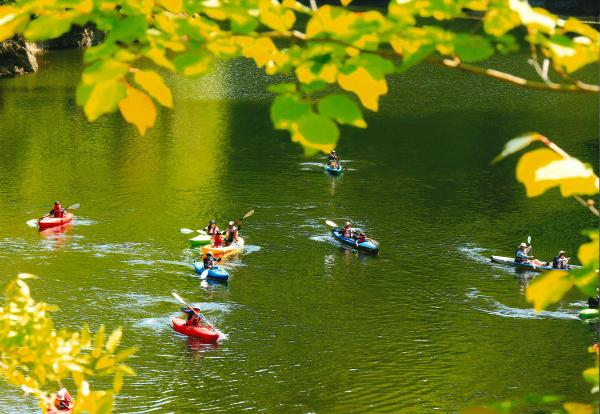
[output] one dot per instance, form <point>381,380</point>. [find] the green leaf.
<point>286,109</point>
<point>472,48</point>
<point>343,109</point>
<point>549,288</point>
<point>314,86</point>
<point>104,70</point>
<point>128,29</point>
<point>47,27</point>
<point>103,98</point>
<point>192,64</point>
<point>318,129</point>
<point>410,60</point>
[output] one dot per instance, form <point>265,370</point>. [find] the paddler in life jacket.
<point>522,257</point>
<point>212,228</point>
<point>192,318</point>
<point>57,211</point>
<point>332,156</point>
<point>231,234</point>
<point>561,261</point>
<point>209,261</point>
<point>62,402</point>
<point>218,240</point>
<point>347,230</point>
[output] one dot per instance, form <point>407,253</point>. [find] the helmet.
<point>61,394</point>
<point>348,223</point>
<point>56,202</point>
<point>212,222</point>
<point>231,223</point>
<point>523,244</point>
<point>561,252</point>
<point>333,151</point>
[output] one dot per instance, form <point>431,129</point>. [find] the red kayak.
<point>47,222</point>
<point>202,332</point>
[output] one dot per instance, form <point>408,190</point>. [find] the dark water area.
<point>427,325</point>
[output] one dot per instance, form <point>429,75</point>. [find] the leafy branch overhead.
<point>330,45</point>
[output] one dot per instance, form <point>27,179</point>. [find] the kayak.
<point>217,272</point>
<point>47,222</point>
<point>334,171</point>
<point>224,250</point>
<point>203,332</point>
<point>367,246</point>
<point>589,313</point>
<point>200,240</point>
<point>510,261</point>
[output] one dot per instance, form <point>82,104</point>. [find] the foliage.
<point>319,47</point>
<point>37,357</point>
<point>540,170</point>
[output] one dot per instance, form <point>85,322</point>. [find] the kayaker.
<point>62,402</point>
<point>231,234</point>
<point>218,239</point>
<point>561,261</point>
<point>347,230</point>
<point>594,302</point>
<point>209,261</point>
<point>212,228</point>
<point>522,257</point>
<point>57,211</point>
<point>362,237</point>
<point>192,318</point>
<point>331,157</point>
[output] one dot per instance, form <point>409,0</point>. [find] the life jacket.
<point>556,262</point>
<point>517,258</point>
<point>212,231</point>
<point>231,235</point>
<point>57,211</point>
<point>218,240</point>
<point>208,263</point>
<point>361,239</point>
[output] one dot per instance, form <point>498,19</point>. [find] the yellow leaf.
<point>528,165</point>
<point>345,2</point>
<point>276,17</point>
<point>157,56</point>
<point>549,288</point>
<point>327,73</point>
<point>364,86</point>
<point>173,6</point>
<point>105,362</point>
<point>11,21</point>
<point>155,86</point>
<point>118,382</point>
<point>578,408</point>
<point>262,51</point>
<point>113,340</point>
<point>103,98</point>
<point>138,109</point>
<point>333,20</point>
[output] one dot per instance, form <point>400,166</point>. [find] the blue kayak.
<point>217,272</point>
<point>367,246</point>
<point>334,171</point>
<point>510,261</point>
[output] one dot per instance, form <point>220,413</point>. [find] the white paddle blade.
<point>330,223</point>
<point>73,206</point>
<point>201,232</point>
<point>248,214</point>
<point>186,231</point>
<point>32,223</point>
<point>204,274</point>
<point>176,296</point>
<point>528,239</point>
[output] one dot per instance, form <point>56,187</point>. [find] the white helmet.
<point>523,244</point>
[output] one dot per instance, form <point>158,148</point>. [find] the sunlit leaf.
<point>591,375</point>
<point>364,86</point>
<point>535,18</point>
<point>173,6</point>
<point>103,98</point>
<point>578,408</point>
<point>113,340</point>
<point>154,84</point>
<point>138,109</point>
<point>287,109</point>
<point>125,354</point>
<point>47,27</point>
<point>345,2</point>
<point>12,20</point>
<point>516,144</point>
<point>572,175</point>
<point>548,288</point>
<point>588,252</point>
<point>276,17</point>
<point>342,109</point>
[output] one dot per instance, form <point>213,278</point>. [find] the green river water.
<point>428,326</point>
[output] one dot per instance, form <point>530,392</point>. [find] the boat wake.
<point>493,307</point>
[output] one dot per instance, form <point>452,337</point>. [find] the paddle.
<point>248,214</point>
<point>176,296</point>
<point>330,223</point>
<point>188,231</point>
<point>204,274</point>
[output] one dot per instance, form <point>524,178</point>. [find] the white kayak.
<point>510,261</point>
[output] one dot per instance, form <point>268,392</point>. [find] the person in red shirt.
<point>62,402</point>
<point>218,239</point>
<point>57,211</point>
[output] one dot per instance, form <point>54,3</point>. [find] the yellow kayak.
<point>225,250</point>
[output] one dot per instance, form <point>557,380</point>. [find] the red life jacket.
<point>218,240</point>
<point>58,211</point>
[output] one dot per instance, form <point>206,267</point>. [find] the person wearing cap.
<point>561,261</point>
<point>362,237</point>
<point>57,211</point>
<point>192,317</point>
<point>332,157</point>
<point>231,234</point>
<point>521,256</point>
<point>212,228</point>
<point>61,403</point>
<point>347,230</point>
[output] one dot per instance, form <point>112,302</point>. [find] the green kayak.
<point>200,240</point>
<point>589,313</point>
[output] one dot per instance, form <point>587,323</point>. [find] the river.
<point>428,325</point>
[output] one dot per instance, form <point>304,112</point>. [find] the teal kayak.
<point>217,272</point>
<point>510,261</point>
<point>334,171</point>
<point>367,246</point>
